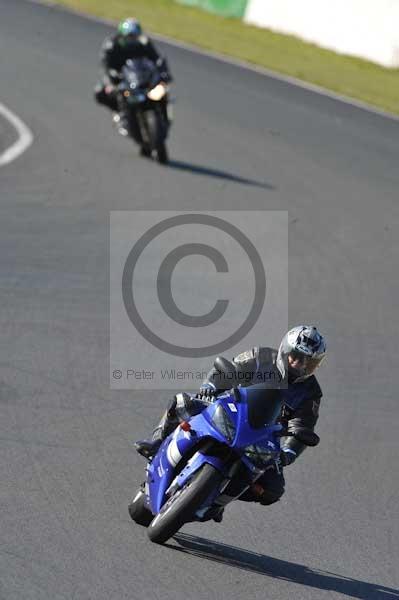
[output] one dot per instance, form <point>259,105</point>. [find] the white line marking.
<point>310,87</point>
<point>25,137</point>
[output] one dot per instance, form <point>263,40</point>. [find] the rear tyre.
<point>138,512</point>
<point>182,506</point>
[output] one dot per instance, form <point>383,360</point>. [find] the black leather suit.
<point>301,403</point>
<point>115,52</point>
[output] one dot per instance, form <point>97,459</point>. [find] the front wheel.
<point>155,134</point>
<point>184,503</point>
<point>162,154</point>
<point>145,151</point>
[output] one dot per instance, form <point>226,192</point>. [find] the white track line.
<point>25,137</point>
<point>311,87</point>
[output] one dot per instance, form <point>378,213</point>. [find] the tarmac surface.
<point>241,141</point>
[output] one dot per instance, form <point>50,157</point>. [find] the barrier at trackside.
<point>226,8</point>
<point>368,29</point>
<point>365,28</point>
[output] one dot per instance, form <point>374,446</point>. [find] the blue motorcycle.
<point>213,458</point>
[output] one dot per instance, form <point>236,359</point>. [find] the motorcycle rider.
<point>301,351</point>
<point>128,43</point>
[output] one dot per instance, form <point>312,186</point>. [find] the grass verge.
<point>285,54</point>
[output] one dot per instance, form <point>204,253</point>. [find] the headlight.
<point>258,455</point>
<point>158,92</point>
<point>223,423</point>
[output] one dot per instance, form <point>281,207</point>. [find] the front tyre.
<point>162,154</point>
<point>138,511</point>
<point>156,132</point>
<point>145,152</point>
<point>184,503</point>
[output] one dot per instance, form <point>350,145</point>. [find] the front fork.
<point>237,482</point>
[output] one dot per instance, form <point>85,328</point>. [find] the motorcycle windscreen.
<point>140,72</point>
<point>264,405</point>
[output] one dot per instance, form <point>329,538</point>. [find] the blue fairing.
<point>161,471</point>
<point>195,463</point>
<point>159,475</point>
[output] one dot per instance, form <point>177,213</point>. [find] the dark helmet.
<point>130,28</point>
<point>300,353</point>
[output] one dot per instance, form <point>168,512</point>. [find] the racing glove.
<point>164,70</point>
<point>208,390</point>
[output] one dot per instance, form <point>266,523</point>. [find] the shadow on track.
<point>280,569</point>
<point>218,174</point>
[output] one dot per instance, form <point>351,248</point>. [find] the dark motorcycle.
<point>143,107</point>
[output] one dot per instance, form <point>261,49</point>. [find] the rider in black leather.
<point>290,370</point>
<point>129,42</point>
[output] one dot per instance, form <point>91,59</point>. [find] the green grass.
<point>346,75</point>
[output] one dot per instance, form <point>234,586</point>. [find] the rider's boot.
<point>149,448</point>
<point>169,421</point>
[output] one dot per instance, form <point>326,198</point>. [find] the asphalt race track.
<point>67,468</point>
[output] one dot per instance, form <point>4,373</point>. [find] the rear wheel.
<point>138,511</point>
<point>182,506</point>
